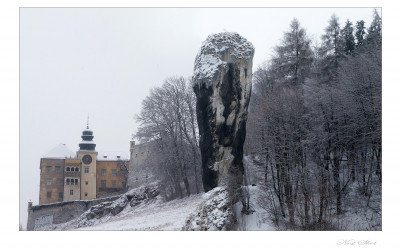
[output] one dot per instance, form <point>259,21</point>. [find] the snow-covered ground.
<point>154,214</point>
<point>256,221</point>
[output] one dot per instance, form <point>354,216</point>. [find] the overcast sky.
<point>102,62</point>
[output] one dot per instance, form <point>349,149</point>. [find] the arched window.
<point>72,169</point>
<point>68,181</point>
<point>76,169</point>
<point>68,169</point>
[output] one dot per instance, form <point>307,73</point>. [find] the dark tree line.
<point>315,123</point>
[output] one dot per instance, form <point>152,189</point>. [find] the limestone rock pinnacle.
<point>222,84</point>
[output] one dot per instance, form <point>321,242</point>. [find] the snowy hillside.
<point>145,212</point>
<point>143,209</point>
<point>155,215</point>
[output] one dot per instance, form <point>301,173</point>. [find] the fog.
<point>102,62</point>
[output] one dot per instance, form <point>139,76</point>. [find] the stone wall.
<point>42,216</point>
<point>143,170</point>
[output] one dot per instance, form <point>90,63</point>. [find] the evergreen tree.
<point>331,51</point>
<point>375,30</point>
<point>360,33</point>
<point>348,38</point>
<point>293,59</point>
<point>331,40</point>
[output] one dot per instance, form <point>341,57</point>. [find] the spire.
<point>87,126</point>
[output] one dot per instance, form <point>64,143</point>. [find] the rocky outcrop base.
<point>134,197</point>
<point>214,214</point>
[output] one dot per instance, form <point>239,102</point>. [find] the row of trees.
<point>315,121</point>
<point>168,121</point>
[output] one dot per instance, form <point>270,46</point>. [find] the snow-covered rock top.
<point>210,58</point>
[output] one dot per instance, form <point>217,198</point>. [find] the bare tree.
<point>168,118</point>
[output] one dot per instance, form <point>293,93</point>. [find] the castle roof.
<point>112,156</point>
<point>60,152</point>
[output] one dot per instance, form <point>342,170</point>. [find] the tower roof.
<point>60,152</point>
<point>87,142</point>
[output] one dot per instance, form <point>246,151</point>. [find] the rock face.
<point>222,84</point>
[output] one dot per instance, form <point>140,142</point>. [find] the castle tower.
<point>88,156</point>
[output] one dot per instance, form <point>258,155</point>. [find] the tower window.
<point>103,172</point>
<point>59,182</point>
<point>86,182</point>
<point>86,170</point>
<point>114,172</point>
<point>60,195</point>
<point>48,183</point>
<point>48,169</point>
<point>85,194</point>
<point>49,194</point>
<point>71,192</point>
<point>58,169</point>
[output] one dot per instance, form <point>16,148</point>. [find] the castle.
<point>72,182</point>
<point>84,175</point>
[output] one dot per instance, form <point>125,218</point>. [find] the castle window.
<point>76,169</point>
<point>49,194</point>
<point>71,192</point>
<point>60,195</point>
<point>103,172</point>
<point>76,181</point>
<point>59,182</point>
<point>48,183</point>
<point>68,169</point>
<point>48,169</point>
<point>86,170</point>
<point>103,183</point>
<point>86,182</point>
<point>85,194</point>
<point>58,169</point>
<point>72,169</point>
<point>114,172</point>
<point>68,181</point>
<point>114,184</point>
